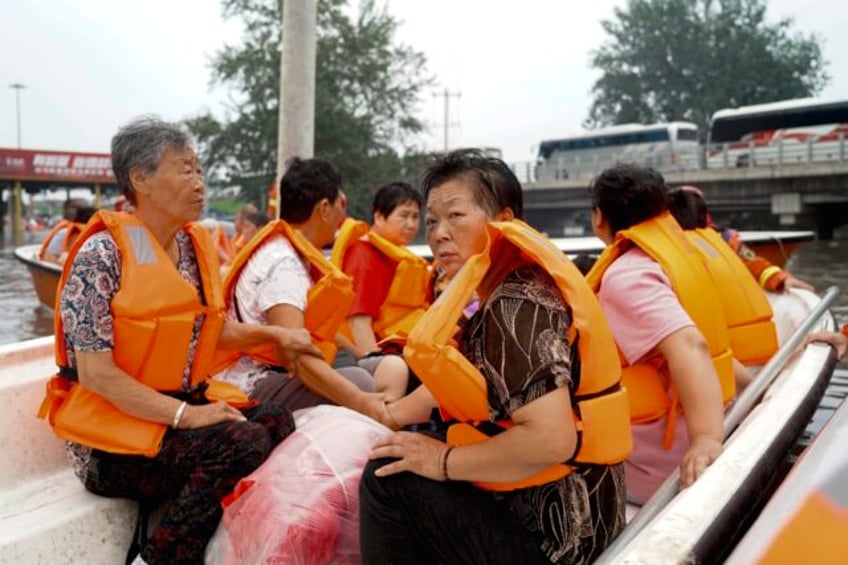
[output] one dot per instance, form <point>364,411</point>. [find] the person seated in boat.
<point>507,498</point>
<point>57,242</point>
<point>669,326</point>
<point>137,404</point>
<point>753,336</point>
<point>272,281</point>
<point>220,240</point>
<point>389,298</point>
<point>689,201</point>
<point>239,240</point>
<point>253,222</point>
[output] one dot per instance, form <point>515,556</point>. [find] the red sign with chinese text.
<point>57,166</point>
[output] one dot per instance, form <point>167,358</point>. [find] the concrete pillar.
<point>297,82</point>
<point>17,213</point>
<point>97,195</point>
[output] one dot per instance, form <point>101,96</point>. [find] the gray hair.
<point>140,144</point>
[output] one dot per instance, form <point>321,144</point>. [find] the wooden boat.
<point>700,523</point>
<point>822,468</point>
<point>46,516</point>
<point>45,275</point>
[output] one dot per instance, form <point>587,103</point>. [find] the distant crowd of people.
<point>527,402</point>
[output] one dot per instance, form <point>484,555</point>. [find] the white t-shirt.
<point>274,275</point>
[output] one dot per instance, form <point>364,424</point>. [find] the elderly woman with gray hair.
<point>141,315</point>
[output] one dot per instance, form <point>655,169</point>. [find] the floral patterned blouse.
<point>517,341</point>
<point>86,307</point>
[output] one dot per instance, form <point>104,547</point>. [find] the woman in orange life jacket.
<point>270,283</point>
<point>687,205</point>
<point>396,217</point>
<point>654,329</point>
<point>83,214</point>
<point>123,276</point>
<point>689,200</point>
<point>58,241</point>
<point>418,500</point>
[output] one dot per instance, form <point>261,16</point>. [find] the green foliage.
<point>684,59</point>
<point>366,90</point>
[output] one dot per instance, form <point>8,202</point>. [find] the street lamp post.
<point>16,209</point>
<point>18,87</point>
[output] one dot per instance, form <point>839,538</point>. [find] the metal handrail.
<point>740,409</point>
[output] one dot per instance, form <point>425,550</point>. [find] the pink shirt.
<point>642,310</point>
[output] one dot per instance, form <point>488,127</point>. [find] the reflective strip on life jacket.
<point>662,239</point>
<point>599,403</point>
<point>753,337</point>
<point>154,316</point>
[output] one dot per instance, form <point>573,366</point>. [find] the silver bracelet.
<point>179,414</point>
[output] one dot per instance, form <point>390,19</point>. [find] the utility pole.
<point>447,95</point>
<point>296,135</point>
<point>15,210</point>
<point>18,87</point>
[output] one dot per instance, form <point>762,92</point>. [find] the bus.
<point>666,147</point>
<point>779,133</point>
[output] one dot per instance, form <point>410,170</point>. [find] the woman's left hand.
<point>416,453</point>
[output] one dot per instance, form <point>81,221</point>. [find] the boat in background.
<point>776,246</point>
<point>45,275</point>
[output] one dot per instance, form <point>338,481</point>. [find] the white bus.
<point>666,147</point>
<point>779,133</point>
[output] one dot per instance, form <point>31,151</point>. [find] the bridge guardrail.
<point>783,152</point>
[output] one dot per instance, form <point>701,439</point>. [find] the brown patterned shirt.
<point>517,340</point>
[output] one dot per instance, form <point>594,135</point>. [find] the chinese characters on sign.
<point>56,166</point>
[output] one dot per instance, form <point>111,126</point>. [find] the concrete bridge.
<point>811,196</point>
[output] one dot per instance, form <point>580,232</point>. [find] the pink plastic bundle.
<point>302,505</point>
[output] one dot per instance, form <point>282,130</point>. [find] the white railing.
<point>781,153</point>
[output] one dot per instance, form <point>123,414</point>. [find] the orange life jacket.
<point>753,337</point>
<point>408,296</point>
<point>327,302</point>
<point>154,315</point>
<point>599,404</point>
<point>815,533</point>
<point>74,229</point>
<point>238,242</point>
<point>770,277</point>
<point>223,244</point>
<point>665,242</point>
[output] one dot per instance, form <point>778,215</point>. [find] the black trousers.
<point>196,468</point>
<point>409,520</point>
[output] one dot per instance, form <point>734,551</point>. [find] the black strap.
<point>140,534</point>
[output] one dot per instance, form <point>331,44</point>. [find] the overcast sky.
<point>521,68</point>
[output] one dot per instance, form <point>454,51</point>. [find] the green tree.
<point>367,87</point>
<point>685,59</point>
